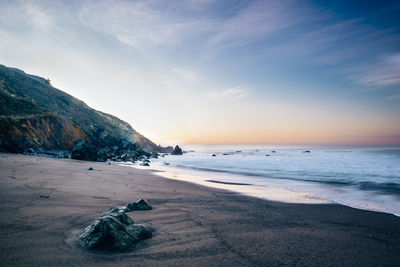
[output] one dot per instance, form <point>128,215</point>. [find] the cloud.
<point>135,22</point>
<point>253,22</point>
<point>26,13</point>
<point>394,97</point>
<point>384,73</point>
<point>185,74</point>
<point>231,93</point>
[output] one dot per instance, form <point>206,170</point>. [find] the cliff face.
<point>35,114</point>
<point>49,132</point>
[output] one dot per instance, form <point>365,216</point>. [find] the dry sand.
<point>193,225</point>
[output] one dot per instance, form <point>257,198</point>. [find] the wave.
<point>384,187</point>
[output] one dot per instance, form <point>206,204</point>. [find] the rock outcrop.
<point>177,151</point>
<point>141,204</point>
<point>114,231</point>
<point>84,151</point>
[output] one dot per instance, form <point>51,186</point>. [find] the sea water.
<point>366,178</point>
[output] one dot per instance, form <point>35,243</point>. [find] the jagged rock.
<point>177,151</point>
<point>113,231</point>
<point>141,204</point>
<point>167,149</point>
<point>101,156</point>
<point>84,151</point>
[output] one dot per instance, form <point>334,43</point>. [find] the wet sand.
<point>193,225</point>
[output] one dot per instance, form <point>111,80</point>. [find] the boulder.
<point>141,204</point>
<point>101,156</point>
<point>84,151</point>
<point>177,151</point>
<point>113,231</point>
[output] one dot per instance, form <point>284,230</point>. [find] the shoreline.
<point>193,224</point>
<point>267,192</point>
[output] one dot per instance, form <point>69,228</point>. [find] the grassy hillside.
<point>32,100</point>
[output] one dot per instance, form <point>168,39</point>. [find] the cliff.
<point>34,114</point>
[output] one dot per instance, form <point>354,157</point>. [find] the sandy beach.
<point>45,203</point>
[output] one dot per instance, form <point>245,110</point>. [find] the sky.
<point>220,72</point>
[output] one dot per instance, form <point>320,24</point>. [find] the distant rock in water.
<point>114,231</point>
<point>213,155</point>
<point>177,151</point>
<point>306,151</point>
<point>84,151</point>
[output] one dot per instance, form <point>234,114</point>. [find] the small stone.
<point>90,169</point>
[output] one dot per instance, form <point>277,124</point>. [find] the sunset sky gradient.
<point>220,72</point>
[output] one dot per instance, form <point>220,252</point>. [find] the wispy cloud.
<point>231,93</point>
<point>25,12</point>
<point>258,20</point>
<point>381,75</point>
<point>133,22</point>
<point>394,97</point>
<point>185,74</point>
<point>384,73</point>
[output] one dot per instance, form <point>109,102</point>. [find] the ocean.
<point>366,178</point>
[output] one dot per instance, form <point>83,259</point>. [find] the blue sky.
<point>192,71</point>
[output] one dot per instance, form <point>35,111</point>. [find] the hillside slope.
<point>35,114</point>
